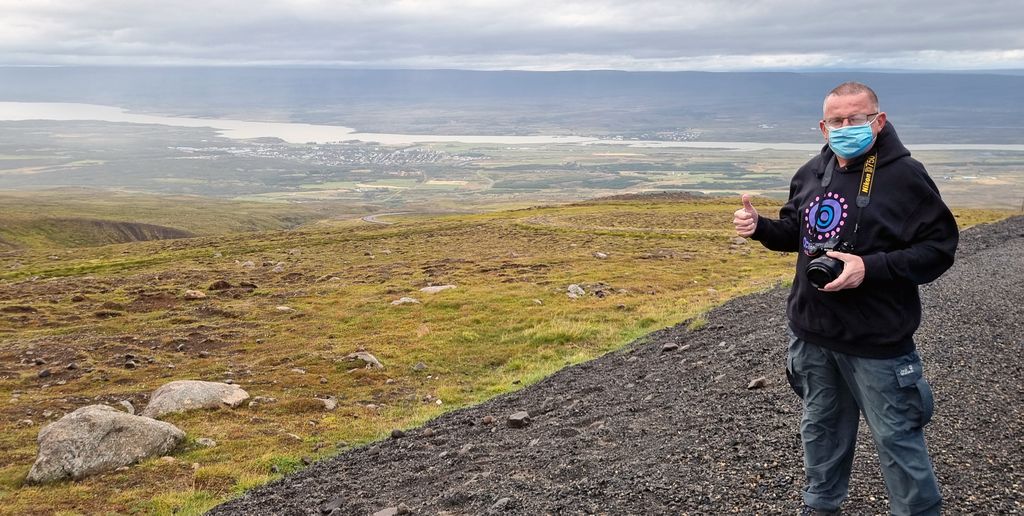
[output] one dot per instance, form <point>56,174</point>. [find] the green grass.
<point>669,261</point>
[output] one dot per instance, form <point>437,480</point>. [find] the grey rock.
<point>369,361</point>
<point>128,407</point>
<point>575,291</point>
<point>436,288</point>
<point>757,383</point>
<point>194,294</point>
<point>183,395</point>
<point>206,442</point>
<point>405,301</point>
<point>330,403</point>
<point>669,346</point>
<point>519,419</point>
<point>394,511</point>
<point>99,438</point>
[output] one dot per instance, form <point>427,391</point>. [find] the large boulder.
<point>99,438</point>
<point>185,395</point>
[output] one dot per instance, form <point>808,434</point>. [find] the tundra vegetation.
<point>285,308</point>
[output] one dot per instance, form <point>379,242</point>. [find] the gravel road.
<point>652,431</point>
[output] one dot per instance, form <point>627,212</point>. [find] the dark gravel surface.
<point>647,431</point>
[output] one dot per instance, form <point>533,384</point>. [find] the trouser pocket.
<point>910,376</point>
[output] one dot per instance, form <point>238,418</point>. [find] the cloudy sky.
<point>519,34</point>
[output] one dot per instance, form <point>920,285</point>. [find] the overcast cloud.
<point>519,34</point>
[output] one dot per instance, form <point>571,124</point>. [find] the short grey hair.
<point>852,88</point>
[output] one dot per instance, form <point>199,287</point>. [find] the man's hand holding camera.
<point>852,275</point>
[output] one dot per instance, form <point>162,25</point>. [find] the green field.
<point>508,324</point>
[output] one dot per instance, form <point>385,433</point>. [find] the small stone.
<point>369,361</point>
<point>206,442</point>
<point>330,403</point>
<point>519,419</point>
<point>204,354</point>
<point>39,361</point>
<point>488,420</point>
<point>419,366</point>
<point>26,422</point>
<point>397,434</point>
<point>333,505</point>
<point>131,364</point>
<point>405,301</point>
<point>45,373</point>
<point>428,432</point>
<point>194,295</point>
<point>575,291</point>
<point>501,504</point>
<point>72,366</point>
<point>600,256</point>
<point>757,383</point>
<point>323,380</point>
<point>394,511</point>
<point>669,346</point>
<point>538,302</point>
<point>466,448</point>
<point>219,285</point>
<point>436,289</point>
<point>284,309</point>
<point>298,370</point>
<point>128,407</point>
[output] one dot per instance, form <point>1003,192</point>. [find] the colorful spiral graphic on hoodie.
<point>826,216</point>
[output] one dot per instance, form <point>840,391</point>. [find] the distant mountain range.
<point>763,106</point>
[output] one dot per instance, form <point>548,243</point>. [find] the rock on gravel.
<point>519,419</point>
<point>183,395</point>
<point>676,442</point>
<point>99,438</point>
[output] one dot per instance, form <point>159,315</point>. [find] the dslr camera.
<point>823,270</point>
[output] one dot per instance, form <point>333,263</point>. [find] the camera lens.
<point>823,270</point>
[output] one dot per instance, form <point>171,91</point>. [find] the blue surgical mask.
<point>850,141</point>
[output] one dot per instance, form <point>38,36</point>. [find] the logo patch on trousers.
<point>907,369</point>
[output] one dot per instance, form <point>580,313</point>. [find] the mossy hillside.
<point>78,217</point>
<point>509,323</point>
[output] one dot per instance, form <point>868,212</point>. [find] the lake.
<point>302,133</point>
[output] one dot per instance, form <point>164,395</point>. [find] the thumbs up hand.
<point>745,218</point>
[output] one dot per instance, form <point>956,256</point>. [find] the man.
<point>851,340</point>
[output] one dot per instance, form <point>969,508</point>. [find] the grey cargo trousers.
<point>896,402</point>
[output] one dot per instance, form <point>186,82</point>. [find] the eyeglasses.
<point>837,122</point>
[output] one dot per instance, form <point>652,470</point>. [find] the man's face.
<point>844,106</point>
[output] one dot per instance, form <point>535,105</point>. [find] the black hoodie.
<point>906,237</point>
